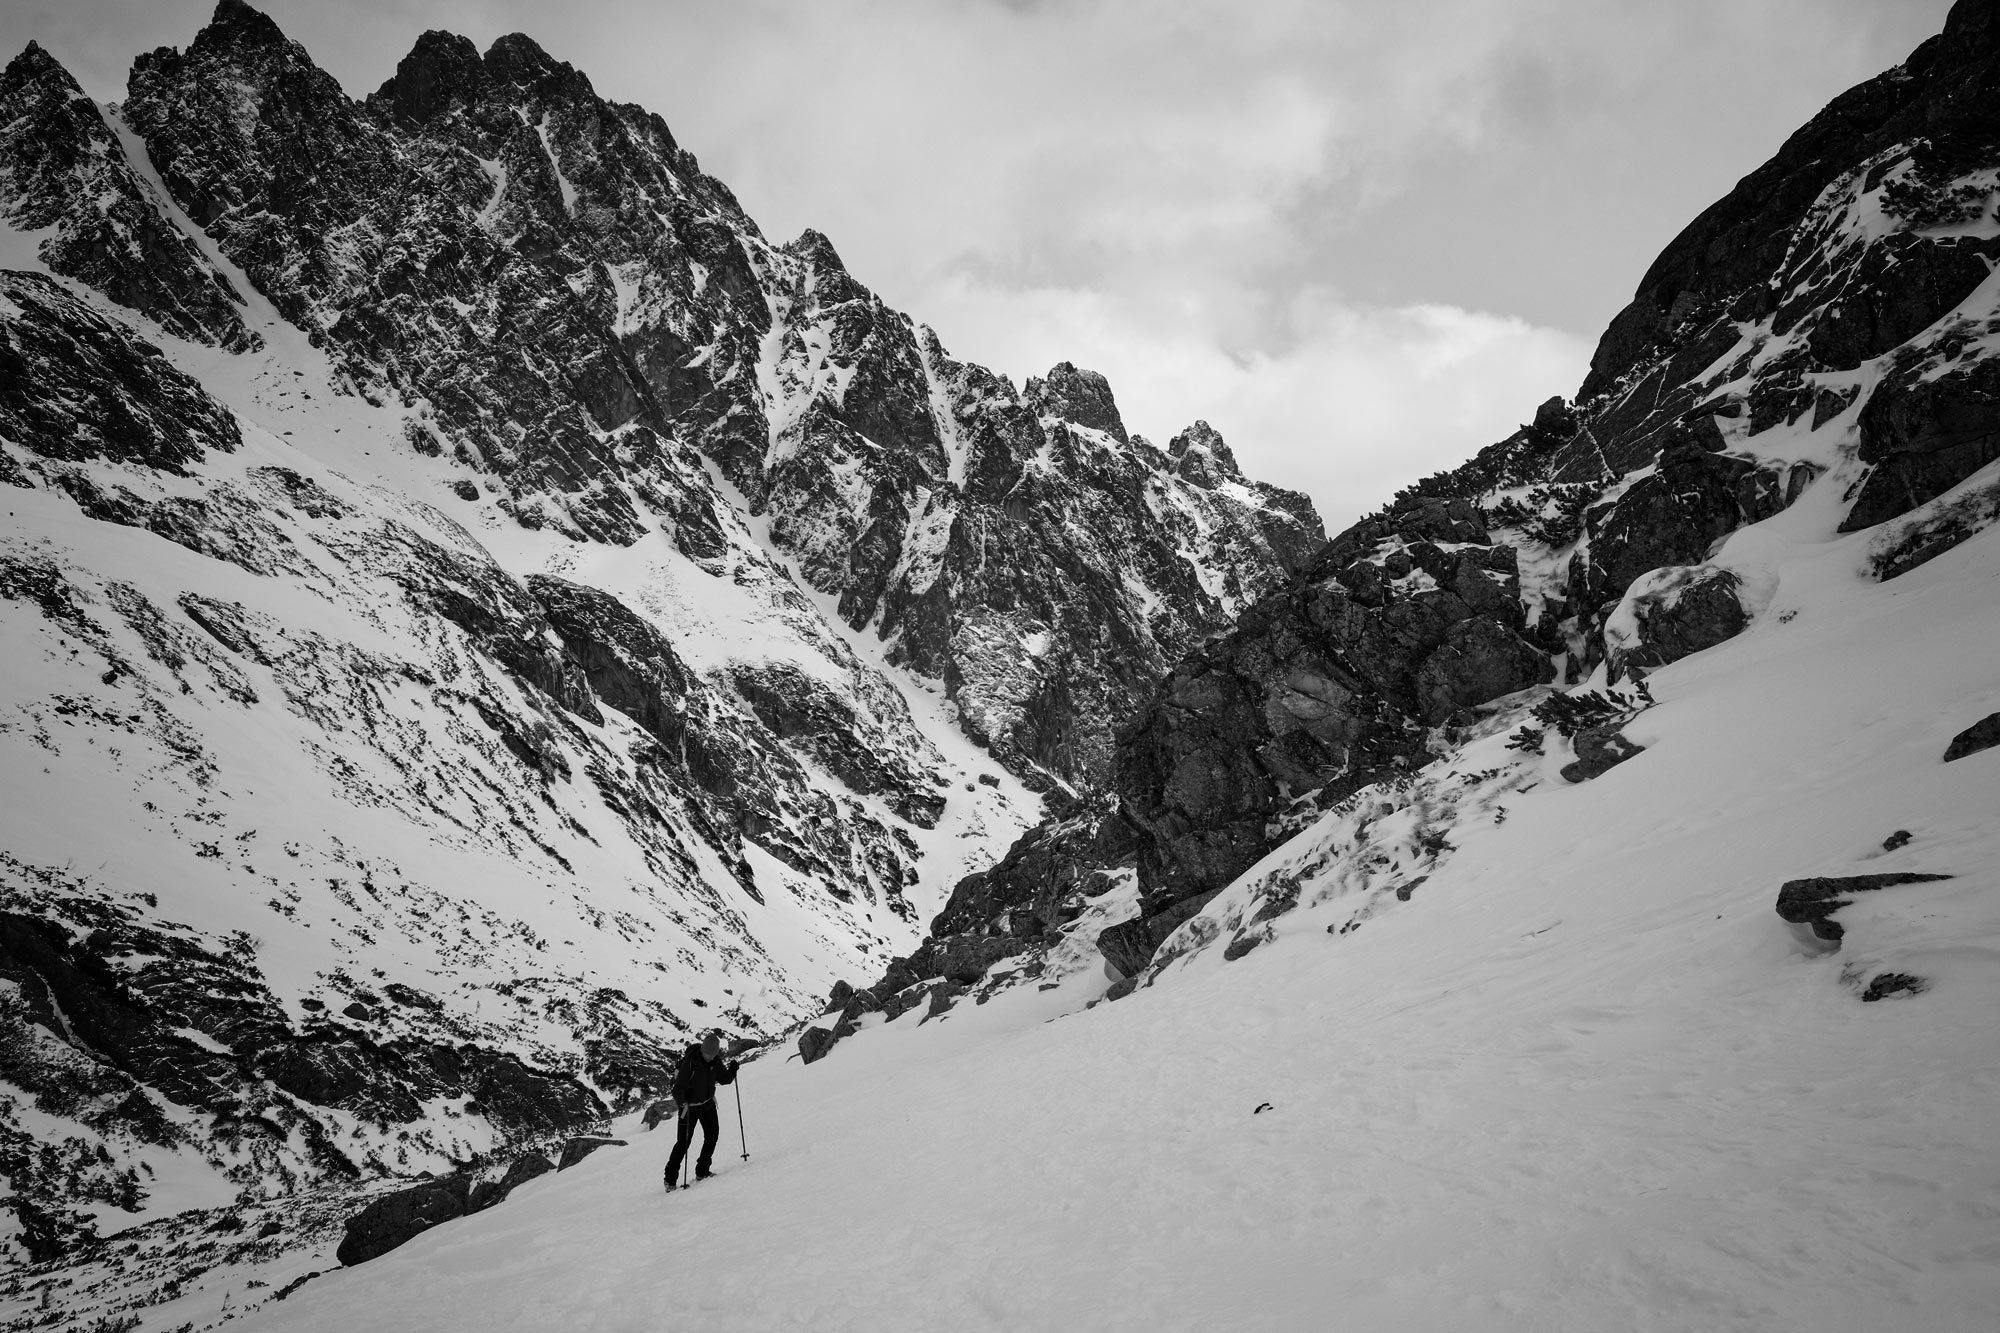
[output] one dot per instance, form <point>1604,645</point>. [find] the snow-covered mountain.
<point>1563,901</point>
<point>475,612</point>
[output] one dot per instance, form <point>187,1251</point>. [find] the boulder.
<point>525,1168</point>
<point>395,1218</point>
<point>943,995</point>
<point>1812,902</point>
<point>814,1043</point>
<point>1127,946</point>
<point>657,1112</point>
<point>1672,613</point>
<point>583,1146</point>
<point>1981,735</point>
<point>1598,750</point>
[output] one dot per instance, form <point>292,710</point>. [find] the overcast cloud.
<point>1361,238</point>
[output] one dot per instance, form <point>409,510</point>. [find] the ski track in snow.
<point>1586,1079</point>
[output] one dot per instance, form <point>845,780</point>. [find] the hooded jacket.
<point>696,1078</point>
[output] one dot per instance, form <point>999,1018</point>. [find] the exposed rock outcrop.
<point>1981,735</point>
<point>576,1149</point>
<point>1813,902</point>
<point>1672,612</point>
<point>395,1219</point>
<point>75,386</point>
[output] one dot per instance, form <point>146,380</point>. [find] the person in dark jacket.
<point>701,1070</point>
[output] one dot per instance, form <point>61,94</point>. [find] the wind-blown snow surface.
<point>1584,1078</point>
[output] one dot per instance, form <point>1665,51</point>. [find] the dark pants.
<point>690,1116</point>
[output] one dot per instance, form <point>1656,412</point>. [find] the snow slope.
<point>1583,1078</point>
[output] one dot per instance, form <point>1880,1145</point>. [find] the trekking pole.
<point>688,1129</point>
<point>740,1138</point>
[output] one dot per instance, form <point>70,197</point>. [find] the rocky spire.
<point>1079,396</point>
<point>442,69</point>
<point>1201,456</point>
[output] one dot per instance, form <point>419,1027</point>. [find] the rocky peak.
<point>813,248</point>
<point>517,59</point>
<point>441,71</point>
<point>1201,456</point>
<point>1082,397</point>
<point>36,63</point>
<point>236,26</point>
<point>62,168</point>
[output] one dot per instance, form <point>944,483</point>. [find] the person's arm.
<point>728,1074</point>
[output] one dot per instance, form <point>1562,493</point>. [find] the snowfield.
<point>1583,1079</point>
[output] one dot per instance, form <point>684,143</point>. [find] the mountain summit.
<point>489,613</point>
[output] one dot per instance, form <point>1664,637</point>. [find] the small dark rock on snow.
<point>583,1146</point>
<point>1598,750</point>
<point>1981,735</point>
<point>1893,983</point>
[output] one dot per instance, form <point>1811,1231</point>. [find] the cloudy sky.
<point>1361,238</point>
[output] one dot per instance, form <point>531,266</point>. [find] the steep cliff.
<point>1831,322</point>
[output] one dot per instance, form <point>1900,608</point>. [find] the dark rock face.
<point>1812,902</point>
<point>397,1218</point>
<point>1671,518</point>
<point>1325,687</point>
<point>62,167</point>
<point>1944,89</point>
<point>1924,436</point>
<point>76,386</point>
<point>1981,735</point>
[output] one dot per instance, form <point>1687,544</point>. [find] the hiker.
<point>701,1069</point>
